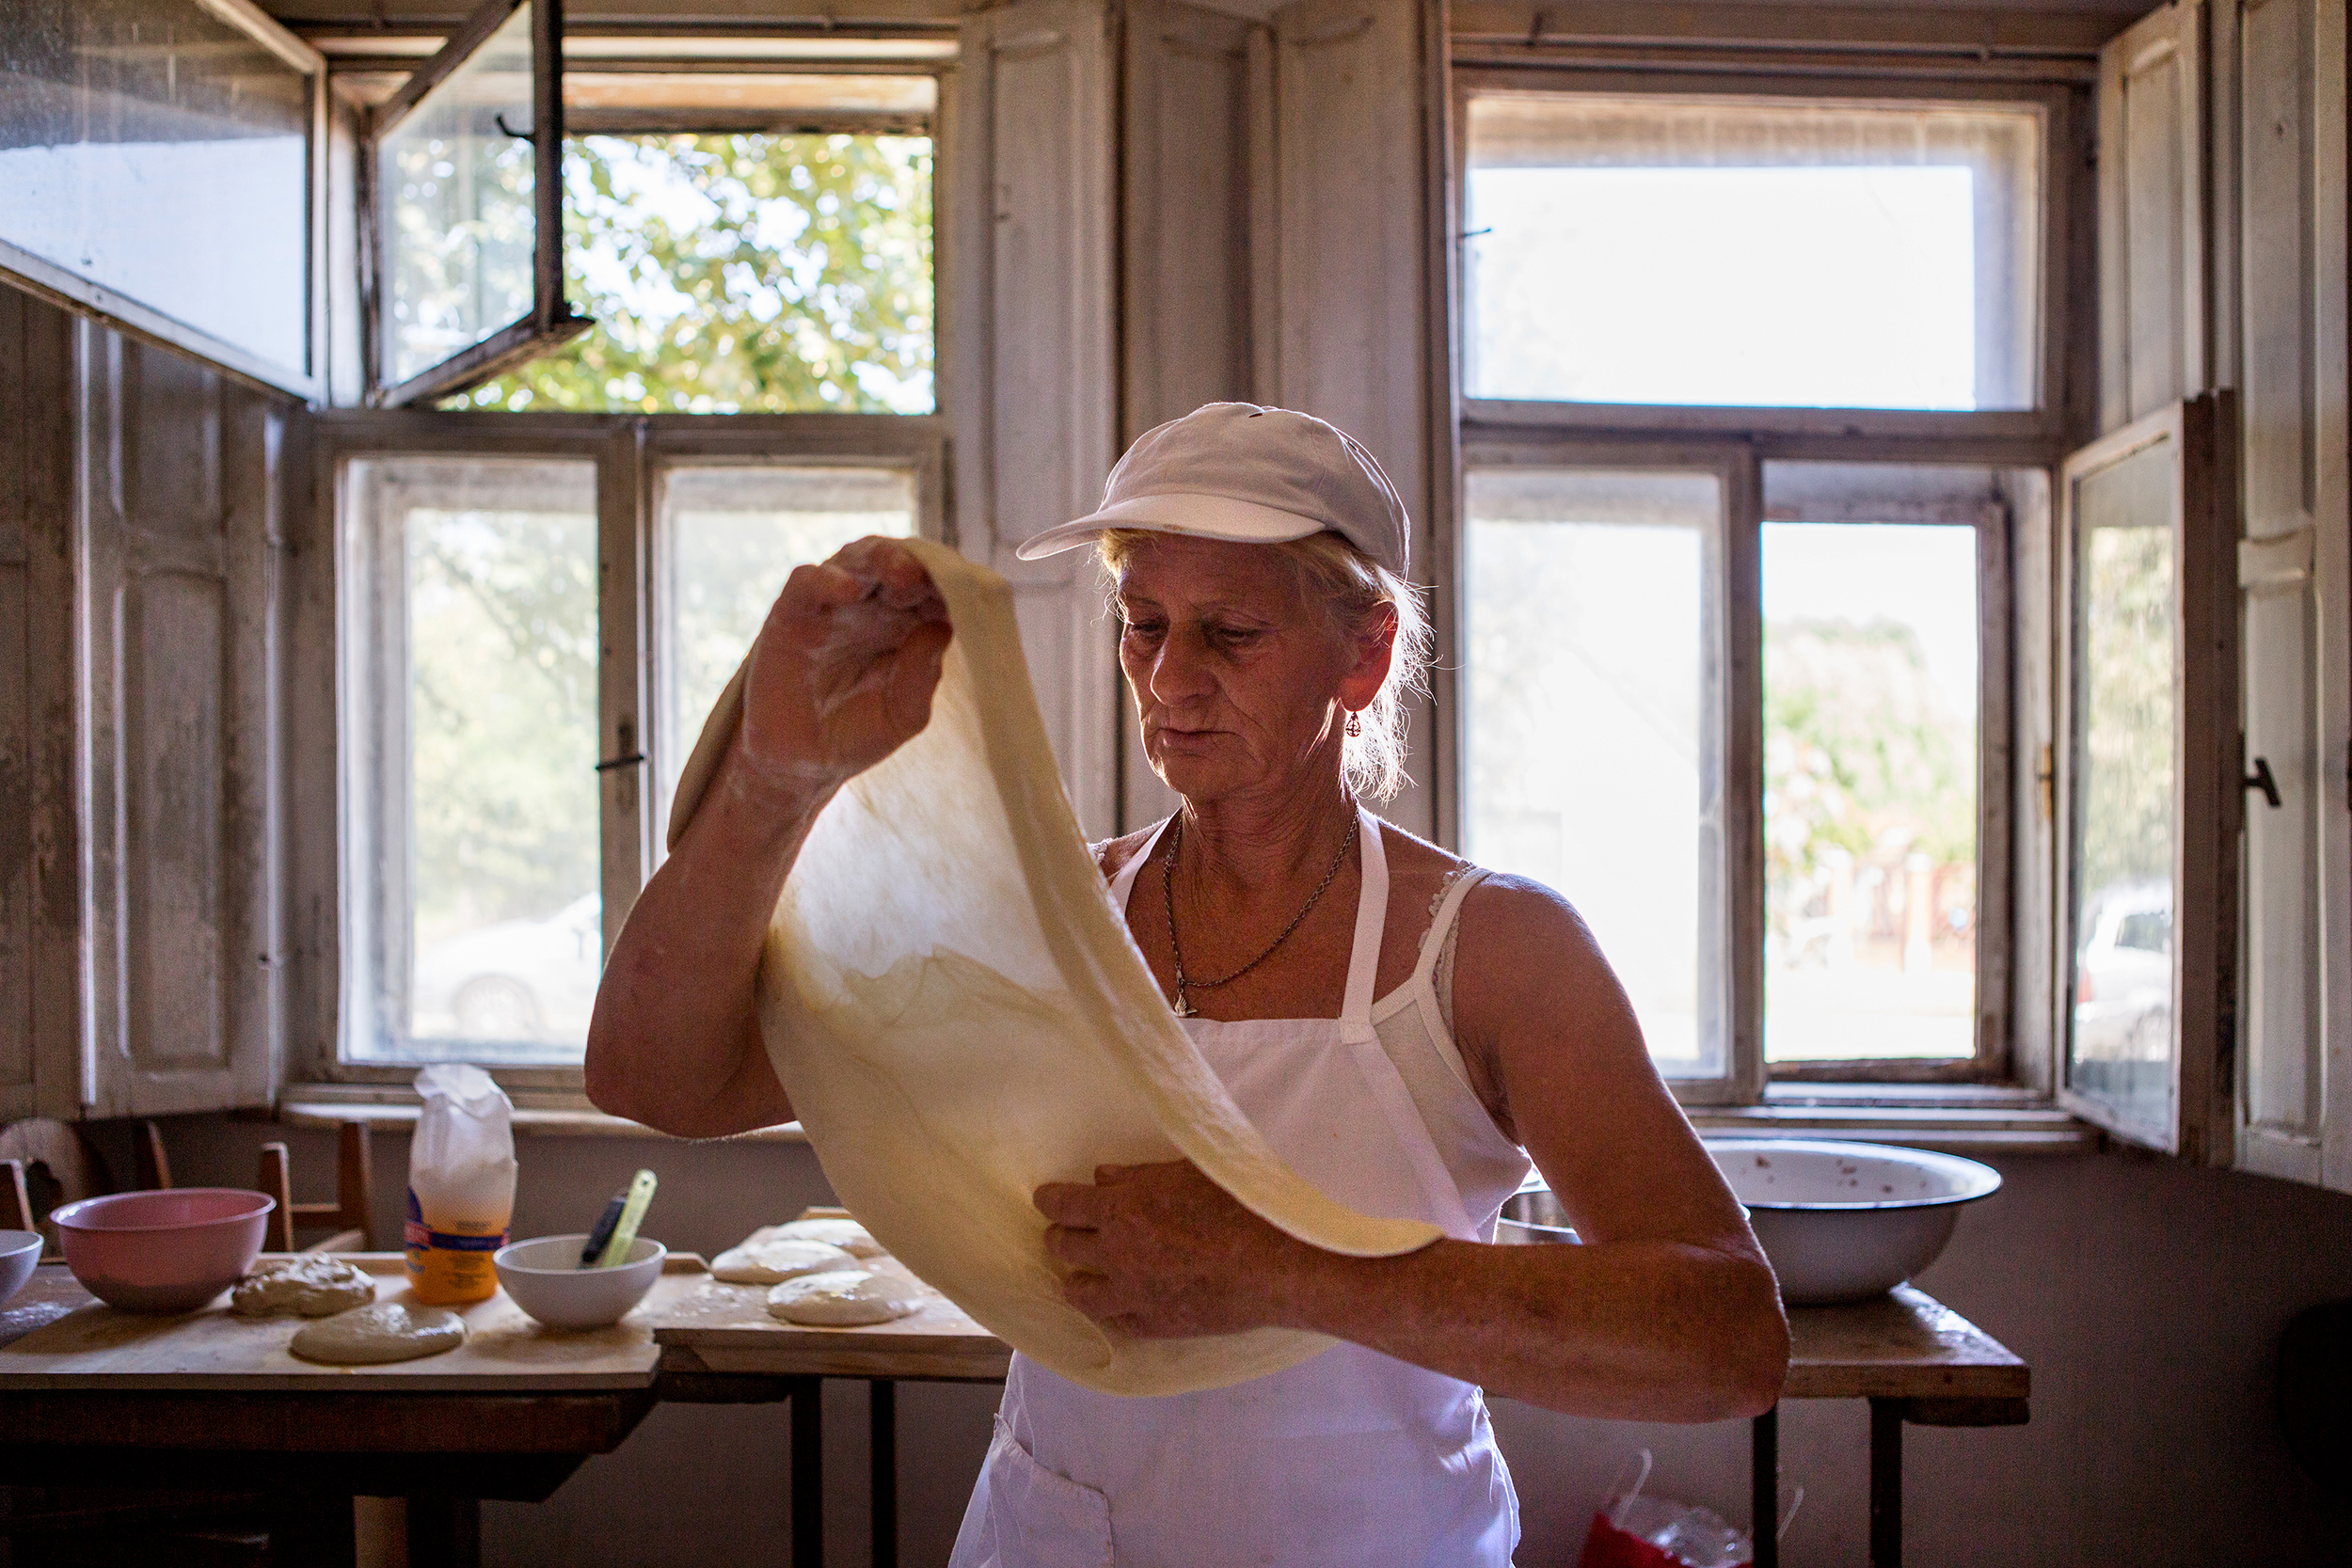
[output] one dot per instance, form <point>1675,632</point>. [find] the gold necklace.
<point>1167,896</point>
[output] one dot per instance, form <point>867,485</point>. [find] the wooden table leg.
<point>1764,1487</point>
<point>444,1533</point>
<point>808,1473</point>
<point>1886,1483</point>
<point>883,1439</point>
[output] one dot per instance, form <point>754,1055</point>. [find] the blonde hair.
<point>1350,590</point>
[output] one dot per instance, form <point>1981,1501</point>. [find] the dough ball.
<point>389,1331</point>
<point>849,1236</point>
<point>773,1262</point>
<point>313,1285</point>
<point>843,1298</point>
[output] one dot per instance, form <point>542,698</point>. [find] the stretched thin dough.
<point>960,1015</point>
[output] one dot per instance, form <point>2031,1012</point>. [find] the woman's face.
<point>1236,681</point>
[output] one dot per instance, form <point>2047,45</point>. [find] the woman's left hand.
<point>1161,1252</point>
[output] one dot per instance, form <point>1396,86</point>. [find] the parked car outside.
<point>2124,974</point>
<point>523,982</point>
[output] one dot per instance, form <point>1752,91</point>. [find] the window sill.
<point>540,1114</point>
<point>1957,1118</point>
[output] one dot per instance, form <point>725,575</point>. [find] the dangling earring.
<point>1355,725</point>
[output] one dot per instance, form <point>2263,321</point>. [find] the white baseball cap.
<point>1259,476</point>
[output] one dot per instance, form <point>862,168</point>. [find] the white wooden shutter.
<point>1355,123</point>
<point>2152,206</point>
<point>181,495</point>
<point>1191,116</point>
<point>2295,591</point>
<point>1029,269</point>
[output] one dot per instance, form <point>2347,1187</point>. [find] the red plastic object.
<point>1608,1547</point>
<point>168,1251</point>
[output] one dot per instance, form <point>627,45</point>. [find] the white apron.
<point>1348,1460</point>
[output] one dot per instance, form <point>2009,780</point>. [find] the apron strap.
<point>1371,919</point>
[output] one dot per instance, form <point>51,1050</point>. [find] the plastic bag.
<point>1634,1531</point>
<point>461,1184</point>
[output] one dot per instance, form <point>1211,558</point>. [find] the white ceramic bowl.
<point>1845,1221</point>
<point>546,1280</point>
<point>19,1253</point>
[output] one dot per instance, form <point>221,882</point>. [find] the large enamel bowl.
<point>1839,1221</point>
<point>1845,1221</point>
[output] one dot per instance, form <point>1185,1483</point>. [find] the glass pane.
<point>457,218</point>
<point>742,274</point>
<point>1594,755</point>
<point>1870,663</point>
<point>728,537</point>
<point>490,713</point>
<point>149,147</point>
<point>1746,252</point>
<point>2121,1046</point>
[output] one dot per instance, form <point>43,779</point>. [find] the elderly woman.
<point>1406,1029</point>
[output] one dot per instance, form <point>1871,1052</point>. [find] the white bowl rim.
<point>500,1259</point>
<point>1981,1181</point>
<point>68,1216</point>
<point>14,1242</point>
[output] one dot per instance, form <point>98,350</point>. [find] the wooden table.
<point>1911,1356</point>
<point>93,1397</point>
<point>1916,1360</point>
<point>718,1343</point>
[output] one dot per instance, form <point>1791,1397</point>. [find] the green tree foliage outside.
<point>1861,755</point>
<point>2127,699</point>
<point>502,682</point>
<point>742,274</point>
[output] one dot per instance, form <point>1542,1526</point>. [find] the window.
<point>1760,383</point>
<point>742,274</point>
<point>1648,249</point>
<point>550,570</point>
<point>156,161</point>
<point>1871,790</point>
<point>477,581</point>
<point>1595,696</point>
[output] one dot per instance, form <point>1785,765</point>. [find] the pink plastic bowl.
<point>168,1251</point>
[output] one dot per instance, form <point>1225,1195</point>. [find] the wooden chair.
<point>45,1162</point>
<point>350,1216</point>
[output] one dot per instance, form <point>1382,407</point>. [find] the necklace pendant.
<point>1183,1008</point>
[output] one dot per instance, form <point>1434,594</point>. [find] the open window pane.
<point>2121,1040</point>
<point>1594,741</point>
<point>150,148</point>
<point>482,680</point>
<point>1645,249</point>
<point>727,538</point>
<point>1871,769</point>
<point>742,274</point>
<point>454,179</point>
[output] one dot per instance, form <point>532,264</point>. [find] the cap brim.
<point>1200,516</point>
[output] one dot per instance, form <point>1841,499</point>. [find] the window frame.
<point>629,452</point>
<point>2062,377</point>
<point>2013,998</point>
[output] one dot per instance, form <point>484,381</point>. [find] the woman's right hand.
<point>844,669</point>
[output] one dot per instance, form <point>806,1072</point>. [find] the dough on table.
<point>842,1298</point>
<point>312,1285</point>
<point>388,1331</point>
<point>849,1236</point>
<point>960,1015</point>
<point>771,1262</point>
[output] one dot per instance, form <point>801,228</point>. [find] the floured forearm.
<point>674,1042</point>
<point>1635,1330</point>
